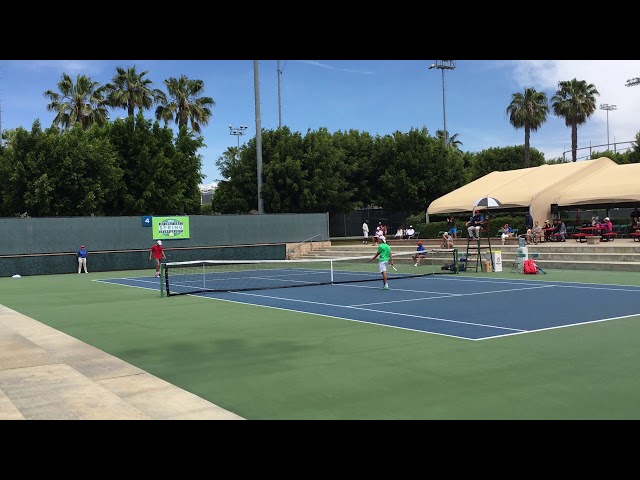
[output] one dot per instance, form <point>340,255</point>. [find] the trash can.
<point>462,264</point>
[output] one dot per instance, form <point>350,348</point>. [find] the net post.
<point>455,260</point>
<point>163,270</point>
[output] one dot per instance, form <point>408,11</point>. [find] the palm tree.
<point>528,110</point>
<point>130,90</point>
<point>574,101</point>
<point>185,104</point>
<point>452,140</point>
<point>82,103</point>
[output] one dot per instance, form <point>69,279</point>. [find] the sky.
<point>376,96</point>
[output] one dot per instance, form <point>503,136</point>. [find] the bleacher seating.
<point>580,237</point>
<point>623,230</point>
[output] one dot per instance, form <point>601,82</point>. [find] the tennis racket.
<point>394,267</point>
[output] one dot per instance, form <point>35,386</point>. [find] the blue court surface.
<point>473,308</point>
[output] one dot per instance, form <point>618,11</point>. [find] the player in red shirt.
<point>158,254</point>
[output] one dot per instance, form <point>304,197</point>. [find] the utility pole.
<point>0,116</point>
<point>256,88</point>
<point>279,103</point>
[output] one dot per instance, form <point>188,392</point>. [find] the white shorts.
<point>382,266</point>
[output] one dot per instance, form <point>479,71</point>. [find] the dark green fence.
<point>33,246</point>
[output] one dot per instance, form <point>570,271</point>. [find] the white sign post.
<point>496,257</point>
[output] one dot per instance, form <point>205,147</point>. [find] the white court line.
<point>335,318</point>
<point>135,279</point>
<point>375,311</point>
<point>601,288</point>
<point>592,286</point>
<point>564,326</point>
<point>449,295</point>
<point>558,283</point>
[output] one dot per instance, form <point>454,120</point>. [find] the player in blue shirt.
<point>82,259</point>
<point>420,253</point>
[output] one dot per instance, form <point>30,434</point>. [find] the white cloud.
<point>331,67</point>
<point>85,67</point>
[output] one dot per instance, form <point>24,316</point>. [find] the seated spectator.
<point>560,230</point>
<point>399,233</point>
<point>595,220</point>
<point>474,225</point>
<point>635,219</point>
<point>606,226</point>
<point>409,232</point>
<point>506,232</point>
<point>547,232</point>
<point>378,234</point>
<point>451,225</point>
<point>419,255</point>
<point>536,236</point>
<point>447,240</point>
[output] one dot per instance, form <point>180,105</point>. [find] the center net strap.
<point>181,278</point>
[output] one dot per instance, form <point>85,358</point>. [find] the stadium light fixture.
<point>608,108</point>
<point>633,81</point>
<point>238,132</point>
<point>443,65</point>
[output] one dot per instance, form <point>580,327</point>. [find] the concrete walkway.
<point>48,375</point>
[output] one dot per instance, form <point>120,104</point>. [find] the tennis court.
<point>455,346</point>
<point>452,305</point>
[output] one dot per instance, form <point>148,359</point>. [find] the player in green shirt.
<point>385,256</point>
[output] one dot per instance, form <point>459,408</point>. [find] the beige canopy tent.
<point>577,183</point>
<point>620,184</point>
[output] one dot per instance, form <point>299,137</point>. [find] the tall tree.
<point>83,102</point>
<point>452,140</point>
<point>185,104</point>
<point>634,153</point>
<point>528,110</point>
<point>502,159</point>
<point>574,101</point>
<point>130,90</point>
<point>55,172</point>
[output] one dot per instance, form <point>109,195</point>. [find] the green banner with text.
<point>170,228</point>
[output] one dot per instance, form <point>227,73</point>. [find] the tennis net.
<point>182,278</point>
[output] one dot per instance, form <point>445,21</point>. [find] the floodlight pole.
<point>279,103</point>
<point>444,65</point>
<point>0,118</point>
<point>256,88</point>
<point>608,108</point>
<point>238,131</point>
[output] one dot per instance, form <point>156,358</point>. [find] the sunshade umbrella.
<point>488,202</point>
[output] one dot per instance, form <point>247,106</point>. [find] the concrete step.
<point>610,256</point>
